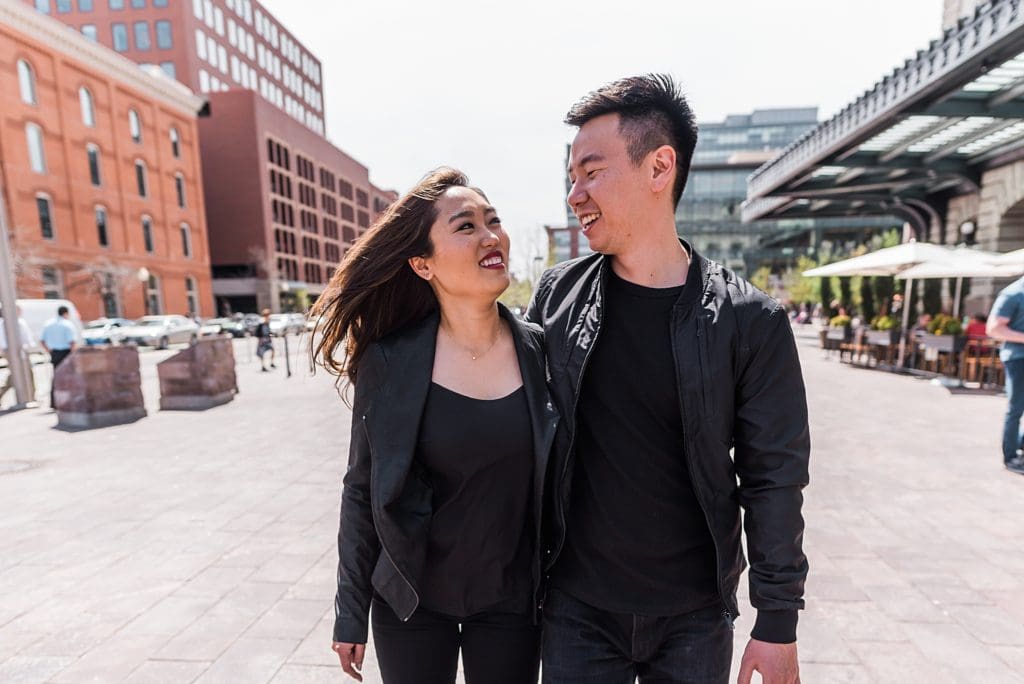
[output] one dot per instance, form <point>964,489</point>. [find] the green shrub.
<point>884,322</point>
<point>945,325</point>
<point>839,321</point>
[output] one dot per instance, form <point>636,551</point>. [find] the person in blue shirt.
<point>58,339</point>
<point>1006,323</point>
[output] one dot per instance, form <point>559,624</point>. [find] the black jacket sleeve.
<point>772,451</point>
<point>358,544</point>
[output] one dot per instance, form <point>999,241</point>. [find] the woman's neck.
<point>471,324</point>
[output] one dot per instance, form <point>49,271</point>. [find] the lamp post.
<point>16,361</point>
<point>143,275</point>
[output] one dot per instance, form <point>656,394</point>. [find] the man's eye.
<point>590,174</point>
<point>495,221</point>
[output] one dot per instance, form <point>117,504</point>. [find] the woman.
<point>451,427</point>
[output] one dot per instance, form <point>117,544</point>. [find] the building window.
<point>191,295</point>
<point>175,143</point>
<point>36,155</point>
<point>52,288</point>
<point>27,82</point>
<point>179,189</point>
<point>142,41</point>
<point>204,81</point>
<point>147,233</point>
<point>85,5</point>
<point>63,6</point>
<point>101,227</point>
<point>186,240</point>
<point>138,4</point>
<point>163,35</point>
<point>89,31</point>
<point>116,4</point>
<point>86,104</point>
<point>153,296</point>
<point>43,6</point>
<point>135,125</point>
<point>140,177</point>
<point>159,3</point>
<point>168,68</point>
<point>200,44</point>
<point>93,153</point>
<point>119,32</point>
<point>197,9</point>
<point>45,210</point>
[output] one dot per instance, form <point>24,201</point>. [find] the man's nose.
<point>576,195</point>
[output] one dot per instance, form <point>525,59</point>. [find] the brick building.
<point>100,169</point>
<point>283,204</point>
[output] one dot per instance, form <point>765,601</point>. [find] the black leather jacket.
<point>386,503</point>
<point>740,387</point>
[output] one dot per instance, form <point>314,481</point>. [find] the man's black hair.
<point>61,310</point>
<point>652,112</point>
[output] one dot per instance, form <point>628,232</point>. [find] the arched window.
<point>192,295</point>
<point>88,111</point>
<point>186,240</point>
<point>147,234</point>
<point>140,177</point>
<point>36,154</point>
<point>27,82</point>
<point>179,189</point>
<point>175,143</point>
<point>102,237</point>
<point>93,155</point>
<point>153,305</point>
<point>135,125</point>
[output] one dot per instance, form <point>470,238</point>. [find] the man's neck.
<point>655,259</point>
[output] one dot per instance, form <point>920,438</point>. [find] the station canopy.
<point>931,127</point>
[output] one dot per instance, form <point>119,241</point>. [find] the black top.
<point>637,540</point>
<point>478,456</point>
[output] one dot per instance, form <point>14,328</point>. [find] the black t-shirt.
<point>478,455</point>
<point>637,540</point>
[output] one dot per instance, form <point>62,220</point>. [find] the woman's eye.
<point>466,225</point>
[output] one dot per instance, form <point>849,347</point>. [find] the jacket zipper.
<point>572,442</point>
<point>687,456</point>
<point>384,547</point>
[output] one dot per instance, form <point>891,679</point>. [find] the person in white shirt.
<point>26,344</point>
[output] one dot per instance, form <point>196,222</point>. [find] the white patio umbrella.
<point>892,261</point>
<point>1015,258</point>
<point>981,266</point>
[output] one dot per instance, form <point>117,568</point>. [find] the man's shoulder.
<point>570,271</point>
<point>745,297</point>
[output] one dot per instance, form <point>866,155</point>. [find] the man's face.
<point>609,194</point>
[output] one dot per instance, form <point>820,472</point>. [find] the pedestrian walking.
<point>1006,323</point>
<point>439,534</point>
<point>265,342</point>
<point>662,361</point>
<point>59,338</point>
<point>27,342</point>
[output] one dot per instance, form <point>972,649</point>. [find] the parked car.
<point>105,330</point>
<point>251,320</point>
<point>287,324</point>
<point>218,326</point>
<point>38,312</point>
<point>160,331</point>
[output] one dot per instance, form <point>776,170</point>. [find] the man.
<point>58,339</point>
<point>1006,323</point>
<point>26,344</point>
<point>265,343</point>
<point>660,361</point>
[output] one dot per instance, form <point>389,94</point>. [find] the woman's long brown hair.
<point>375,292</point>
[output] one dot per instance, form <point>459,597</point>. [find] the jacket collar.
<point>698,277</point>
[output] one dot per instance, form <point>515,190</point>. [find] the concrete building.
<point>283,203</point>
<point>100,170</point>
<point>955,10</point>
<point>566,242</point>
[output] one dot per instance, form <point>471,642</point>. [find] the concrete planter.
<point>951,344</point>
<point>200,377</point>
<point>882,338</point>
<point>98,386</point>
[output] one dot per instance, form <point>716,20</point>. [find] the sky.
<point>410,85</point>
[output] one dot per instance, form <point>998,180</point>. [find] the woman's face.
<point>470,248</point>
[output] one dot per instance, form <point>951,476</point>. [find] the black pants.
<point>497,648</point>
<point>57,357</point>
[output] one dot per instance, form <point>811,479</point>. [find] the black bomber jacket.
<point>750,400</point>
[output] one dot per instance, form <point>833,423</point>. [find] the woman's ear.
<point>420,267</point>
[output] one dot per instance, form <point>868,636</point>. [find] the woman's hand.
<point>351,657</point>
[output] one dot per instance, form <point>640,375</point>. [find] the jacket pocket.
<point>707,376</point>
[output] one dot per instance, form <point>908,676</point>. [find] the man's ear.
<point>663,166</point>
<point>420,267</point>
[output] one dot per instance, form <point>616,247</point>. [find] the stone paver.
<point>200,546</point>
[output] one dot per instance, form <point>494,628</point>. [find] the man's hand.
<point>351,657</point>
<point>777,663</point>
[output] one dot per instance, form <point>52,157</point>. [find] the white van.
<point>38,312</point>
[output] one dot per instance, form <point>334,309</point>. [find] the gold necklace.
<point>469,351</point>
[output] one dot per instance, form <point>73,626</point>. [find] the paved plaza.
<point>199,546</point>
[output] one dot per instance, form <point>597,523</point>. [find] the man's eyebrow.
<point>466,213</point>
<point>586,159</point>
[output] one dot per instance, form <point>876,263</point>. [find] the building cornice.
<point>66,41</point>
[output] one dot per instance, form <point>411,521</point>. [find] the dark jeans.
<point>1015,408</point>
<point>589,645</point>
<point>497,648</point>
<point>57,357</point>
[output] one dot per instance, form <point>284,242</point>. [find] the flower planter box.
<point>950,344</point>
<point>839,334</point>
<point>882,338</point>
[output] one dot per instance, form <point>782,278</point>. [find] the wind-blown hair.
<point>652,112</point>
<point>375,292</point>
